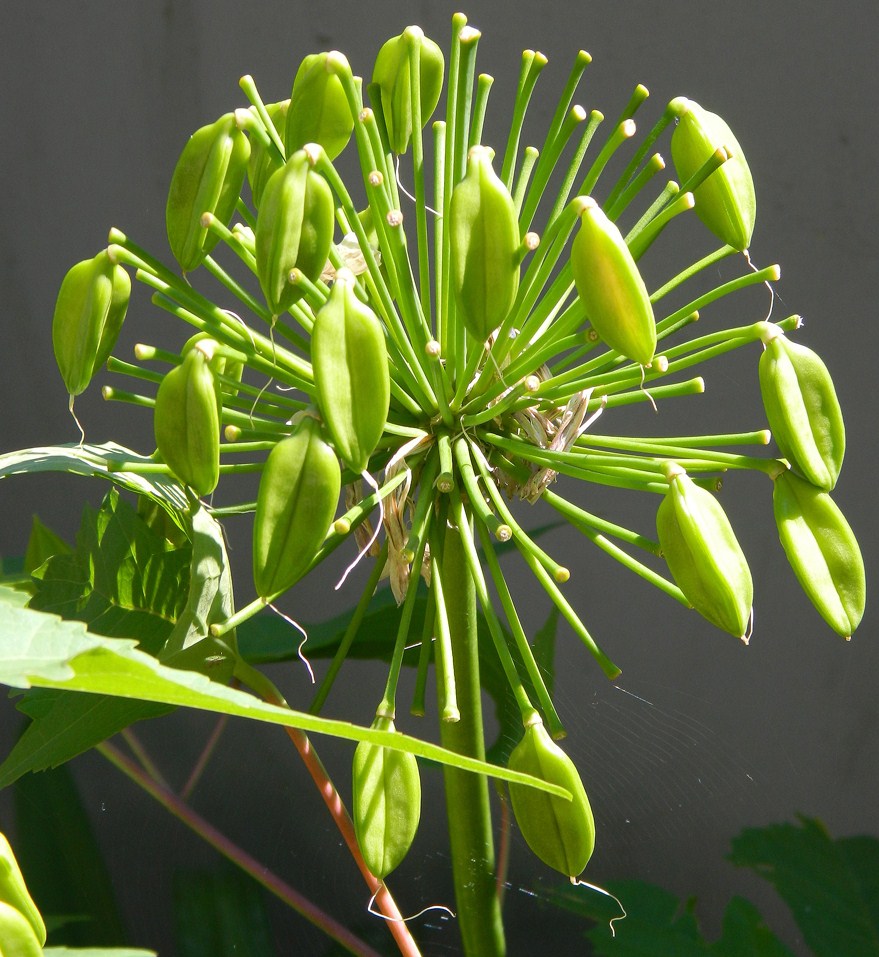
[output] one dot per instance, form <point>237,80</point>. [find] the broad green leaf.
<point>42,545</point>
<point>40,650</point>
<point>745,933</point>
<point>60,857</point>
<point>831,886</point>
<point>122,580</point>
<point>657,923</point>
<point>220,912</point>
<point>66,724</point>
<point>91,460</point>
<point>69,723</point>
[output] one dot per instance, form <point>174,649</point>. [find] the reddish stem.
<point>259,872</point>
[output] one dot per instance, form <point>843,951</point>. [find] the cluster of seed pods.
<point>454,350</point>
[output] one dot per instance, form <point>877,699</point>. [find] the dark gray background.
<point>97,99</point>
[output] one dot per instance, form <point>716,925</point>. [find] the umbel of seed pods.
<point>468,372</point>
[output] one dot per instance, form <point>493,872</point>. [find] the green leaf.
<point>91,460</point>
<point>745,933</point>
<point>42,545</point>
<point>267,638</point>
<point>38,649</point>
<point>66,723</point>
<point>97,952</point>
<point>65,871</point>
<point>191,645</point>
<point>657,923</point>
<point>123,580</point>
<point>832,887</point>
<point>222,912</point>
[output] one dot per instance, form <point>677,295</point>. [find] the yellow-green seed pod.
<point>14,892</point>
<point>822,550</point>
<point>207,179</point>
<point>319,111</point>
<point>89,312</point>
<point>610,286</point>
<point>186,421</point>
<point>297,499</point>
<point>560,832</point>
<point>392,74</point>
<point>703,554</point>
<point>484,237</point>
<point>264,160</point>
<point>350,361</point>
<point>294,230</point>
<point>387,802</point>
<point>725,201</point>
<point>17,937</point>
<point>802,409</point>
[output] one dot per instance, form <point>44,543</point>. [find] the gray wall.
<point>97,99</point>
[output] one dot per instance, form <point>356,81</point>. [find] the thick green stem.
<point>470,832</point>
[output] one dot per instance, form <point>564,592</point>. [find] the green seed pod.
<point>703,554</point>
<point>207,179</point>
<point>560,832</point>
<point>186,421</point>
<point>610,286</point>
<point>297,499</point>
<point>319,111</point>
<point>14,892</point>
<point>822,550</point>
<point>221,365</point>
<point>387,802</point>
<point>350,361</point>
<point>725,201</point>
<point>294,230</point>
<point>802,409</point>
<point>264,160</point>
<point>484,237</point>
<point>89,312</point>
<point>391,74</point>
<point>17,937</point>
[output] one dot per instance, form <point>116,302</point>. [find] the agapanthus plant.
<point>444,339</point>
